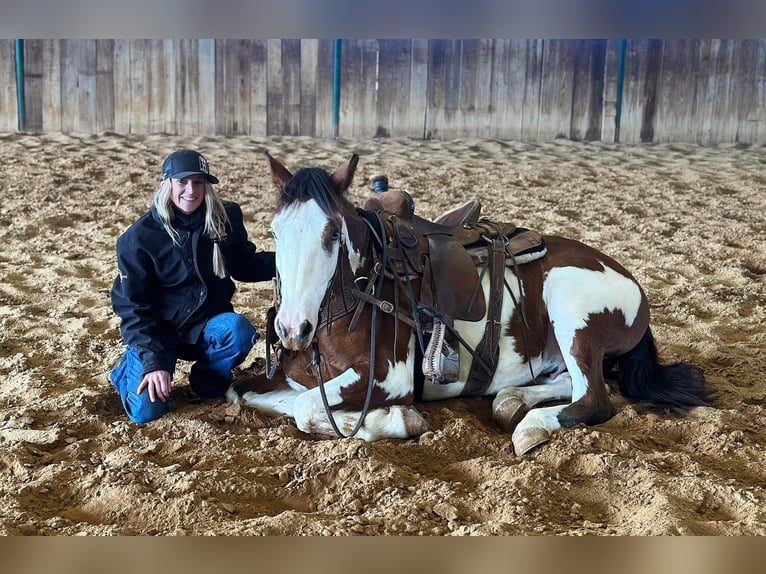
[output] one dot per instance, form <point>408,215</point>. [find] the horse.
<point>376,309</point>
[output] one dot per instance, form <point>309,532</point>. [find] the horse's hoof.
<point>414,423</point>
<point>509,412</point>
<point>529,439</point>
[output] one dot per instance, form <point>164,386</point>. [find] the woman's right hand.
<point>158,383</point>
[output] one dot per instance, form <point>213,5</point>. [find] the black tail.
<point>641,376</point>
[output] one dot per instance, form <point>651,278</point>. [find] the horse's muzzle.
<point>295,339</point>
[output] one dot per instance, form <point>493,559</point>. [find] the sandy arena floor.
<point>688,221</point>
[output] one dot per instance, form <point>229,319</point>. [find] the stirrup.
<point>441,363</point>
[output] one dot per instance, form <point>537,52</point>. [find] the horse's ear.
<point>279,173</point>
<point>344,173</point>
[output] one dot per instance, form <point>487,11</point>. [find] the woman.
<point>174,290</point>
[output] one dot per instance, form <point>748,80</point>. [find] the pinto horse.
<point>348,331</point>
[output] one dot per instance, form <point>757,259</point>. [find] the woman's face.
<point>188,193</point>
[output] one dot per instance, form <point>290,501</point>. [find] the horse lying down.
<point>377,309</point>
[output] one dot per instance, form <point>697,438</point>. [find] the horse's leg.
<point>272,403</point>
<point>589,395</point>
<point>390,422</point>
<point>511,403</point>
<point>272,397</point>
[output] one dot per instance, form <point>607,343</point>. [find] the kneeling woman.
<point>174,290</point>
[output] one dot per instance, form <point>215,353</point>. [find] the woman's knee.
<point>235,330</point>
<point>140,409</point>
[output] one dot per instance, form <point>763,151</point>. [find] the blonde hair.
<point>215,219</point>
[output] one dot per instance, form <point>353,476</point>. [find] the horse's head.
<point>313,222</point>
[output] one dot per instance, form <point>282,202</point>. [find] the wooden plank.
<point>350,81</point>
<point>649,102</point>
<point>122,86</point>
<point>609,107</point>
<point>233,109</point>
<point>187,93</point>
<point>580,100</point>
<point>222,103</point>
<point>452,79</point>
<point>70,64</point>
<point>533,86</point>
<point>758,112</point>
<point>242,82</point>
<point>597,66</point>
<point>358,85</point>
<point>34,88</point>
<point>435,93</point>
<point>9,109</point>
<point>719,89</point>
<point>140,85</point>
<point>498,89</point>
<point>274,119</point>
<point>160,83</point>
<point>467,79</point>
<point>418,90</point>
<point>207,86</point>
<point>86,86</point>
<point>258,87</point>
<point>483,92</point>
<point>745,103</point>
<point>357,104</point>
<point>324,90</point>
<point>556,91</point>
<point>291,87</point>
<point>308,87</point>
<point>387,88</point>
<point>510,74</point>
<point>104,85</point>
<point>670,100</point>
<point>394,75</point>
<point>52,92</point>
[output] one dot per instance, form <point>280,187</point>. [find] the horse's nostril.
<point>305,329</point>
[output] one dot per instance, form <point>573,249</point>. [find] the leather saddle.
<point>446,252</point>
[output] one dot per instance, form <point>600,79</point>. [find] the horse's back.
<point>566,252</point>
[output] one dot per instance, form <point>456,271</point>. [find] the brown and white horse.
<point>350,368</point>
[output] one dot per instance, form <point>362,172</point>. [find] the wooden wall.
<point>704,91</point>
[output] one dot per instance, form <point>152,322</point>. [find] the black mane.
<point>310,183</point>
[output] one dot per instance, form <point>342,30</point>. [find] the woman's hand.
<point>158,383</point>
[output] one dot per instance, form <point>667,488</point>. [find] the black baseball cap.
<point>185,162</point>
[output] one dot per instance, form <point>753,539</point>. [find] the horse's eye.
<point>335,236</point>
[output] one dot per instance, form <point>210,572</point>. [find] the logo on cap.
<point>185,162</point>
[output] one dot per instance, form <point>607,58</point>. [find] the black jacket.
<point>165,293</point>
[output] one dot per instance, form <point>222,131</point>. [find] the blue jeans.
<point>225,343</point>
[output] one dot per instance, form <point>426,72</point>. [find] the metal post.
<point>336,88</point>
<point>20,84</point>
<point>620,80</point>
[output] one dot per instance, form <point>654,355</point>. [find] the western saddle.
<point>445,254</point>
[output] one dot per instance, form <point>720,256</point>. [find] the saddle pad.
<point>524,246</point>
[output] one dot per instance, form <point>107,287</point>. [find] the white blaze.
<point>305,267</point>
